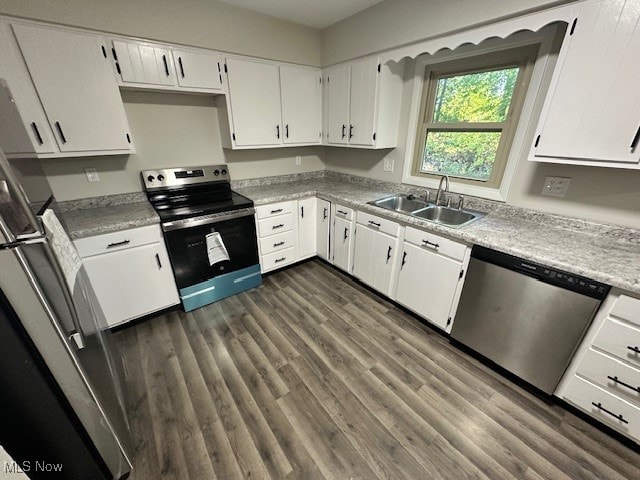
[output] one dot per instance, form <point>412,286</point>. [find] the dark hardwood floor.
<point>312,376</point>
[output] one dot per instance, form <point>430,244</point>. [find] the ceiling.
<point>314,13</point>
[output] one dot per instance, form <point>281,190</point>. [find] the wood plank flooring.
<point>311,376</point>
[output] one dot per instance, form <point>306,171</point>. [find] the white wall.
<point>392,23</point>
<point>170,130</point>
<point>204,23</point>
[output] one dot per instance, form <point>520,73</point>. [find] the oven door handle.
<point>205,220</point>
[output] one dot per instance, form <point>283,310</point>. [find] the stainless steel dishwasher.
<point>525,317</point>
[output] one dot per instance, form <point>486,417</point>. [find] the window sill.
<point>499,195</point>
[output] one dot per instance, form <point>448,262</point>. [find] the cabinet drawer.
<point>627,308</point>
<point>619,340</point>
<point>377,223</point>
<point>604,370</point>
<point>275,243</point>
<point>112,242</point>
<point>272,225</point>
<point>278,259</point>
<point>343,212</point>
<point>281,208</point>
<point>584,395</point>
<point>433,242</point>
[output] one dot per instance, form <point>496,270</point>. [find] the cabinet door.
<point>323,221</point>
<point>364,85</point>
<point>144,63</point>
<point>23,125</point>
<point>77,88</point>
<point>307,227</point>
<point>427,283</point>
<point>198,69</point>
<point>338,104</point>
<point>133,282</point>
<point>592,111</point>
<point>364,260</point>
<point>301,94</point>
<point>254,92</point>
<point>342,243</point>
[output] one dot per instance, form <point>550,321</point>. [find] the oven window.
<point>188,250</point>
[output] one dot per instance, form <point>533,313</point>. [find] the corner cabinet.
<point>74,81</point>
<point>592,112</point>
<point>130,273</point>
<point>270,105</point>
<point>362,103</point>
<point>430,276</point>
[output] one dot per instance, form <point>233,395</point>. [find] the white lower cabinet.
<point>286,232</point>
<point>375,251</point>
<point>307,227</point>
<point>323,228</point>
<point>603,378</point>
<point>430,274</point>
<point>130,273</point>
<point>343,228</point>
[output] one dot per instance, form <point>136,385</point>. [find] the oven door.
<point>187,244</point>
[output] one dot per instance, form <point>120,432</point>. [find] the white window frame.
<point>549,40</point>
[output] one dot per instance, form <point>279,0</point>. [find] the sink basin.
<point>447,216</point>
<point>400,203</point>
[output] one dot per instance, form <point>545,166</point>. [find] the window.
<point>470,109</point>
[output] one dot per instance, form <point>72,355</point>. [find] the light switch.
<point>92,174</point>
<point>387,166</point>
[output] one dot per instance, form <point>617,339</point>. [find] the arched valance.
<point>532,22</point>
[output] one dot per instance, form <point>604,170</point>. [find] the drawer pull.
<point>635,349</point>
<point>278,260</point>
<point>600,407</point>
<point>277,210</point>
<point>427,243</point>
<point>342,212</point>
<point>375,224</point>
<point>279,244</point>
<point>280,225</point>
<point>620,382</point>
<point>119,244</point>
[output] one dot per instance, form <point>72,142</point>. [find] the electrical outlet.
<point>556,186</point>
<point>387,166</point>
<point>92,174</point>
<point>298,160</point>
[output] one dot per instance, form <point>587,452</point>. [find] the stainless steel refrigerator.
<point>61,406</point>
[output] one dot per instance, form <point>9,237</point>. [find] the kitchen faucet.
<point>445,179</point>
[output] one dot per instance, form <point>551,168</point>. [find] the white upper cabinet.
<point>301,97</point>
<point>337,85</point>
<point>270,105</point>
<point>74,80</point>
<point>592,113</point>
<point>24,130</point>
<point>198,69</point>
<point>254,100</point>
<point>363,103</point>
<point>143,63</point>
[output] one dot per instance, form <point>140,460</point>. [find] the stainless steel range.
<point>209,230</point>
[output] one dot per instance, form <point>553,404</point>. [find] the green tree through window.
<point>468,118</point>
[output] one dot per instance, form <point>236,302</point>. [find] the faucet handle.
<point>426,196</point>
<point>460,202</point>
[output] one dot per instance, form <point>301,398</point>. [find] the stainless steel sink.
<point>401,203</point>
<point>450,217</point>
<point>447,216</point>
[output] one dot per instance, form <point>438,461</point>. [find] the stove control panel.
<point>173,177</point>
